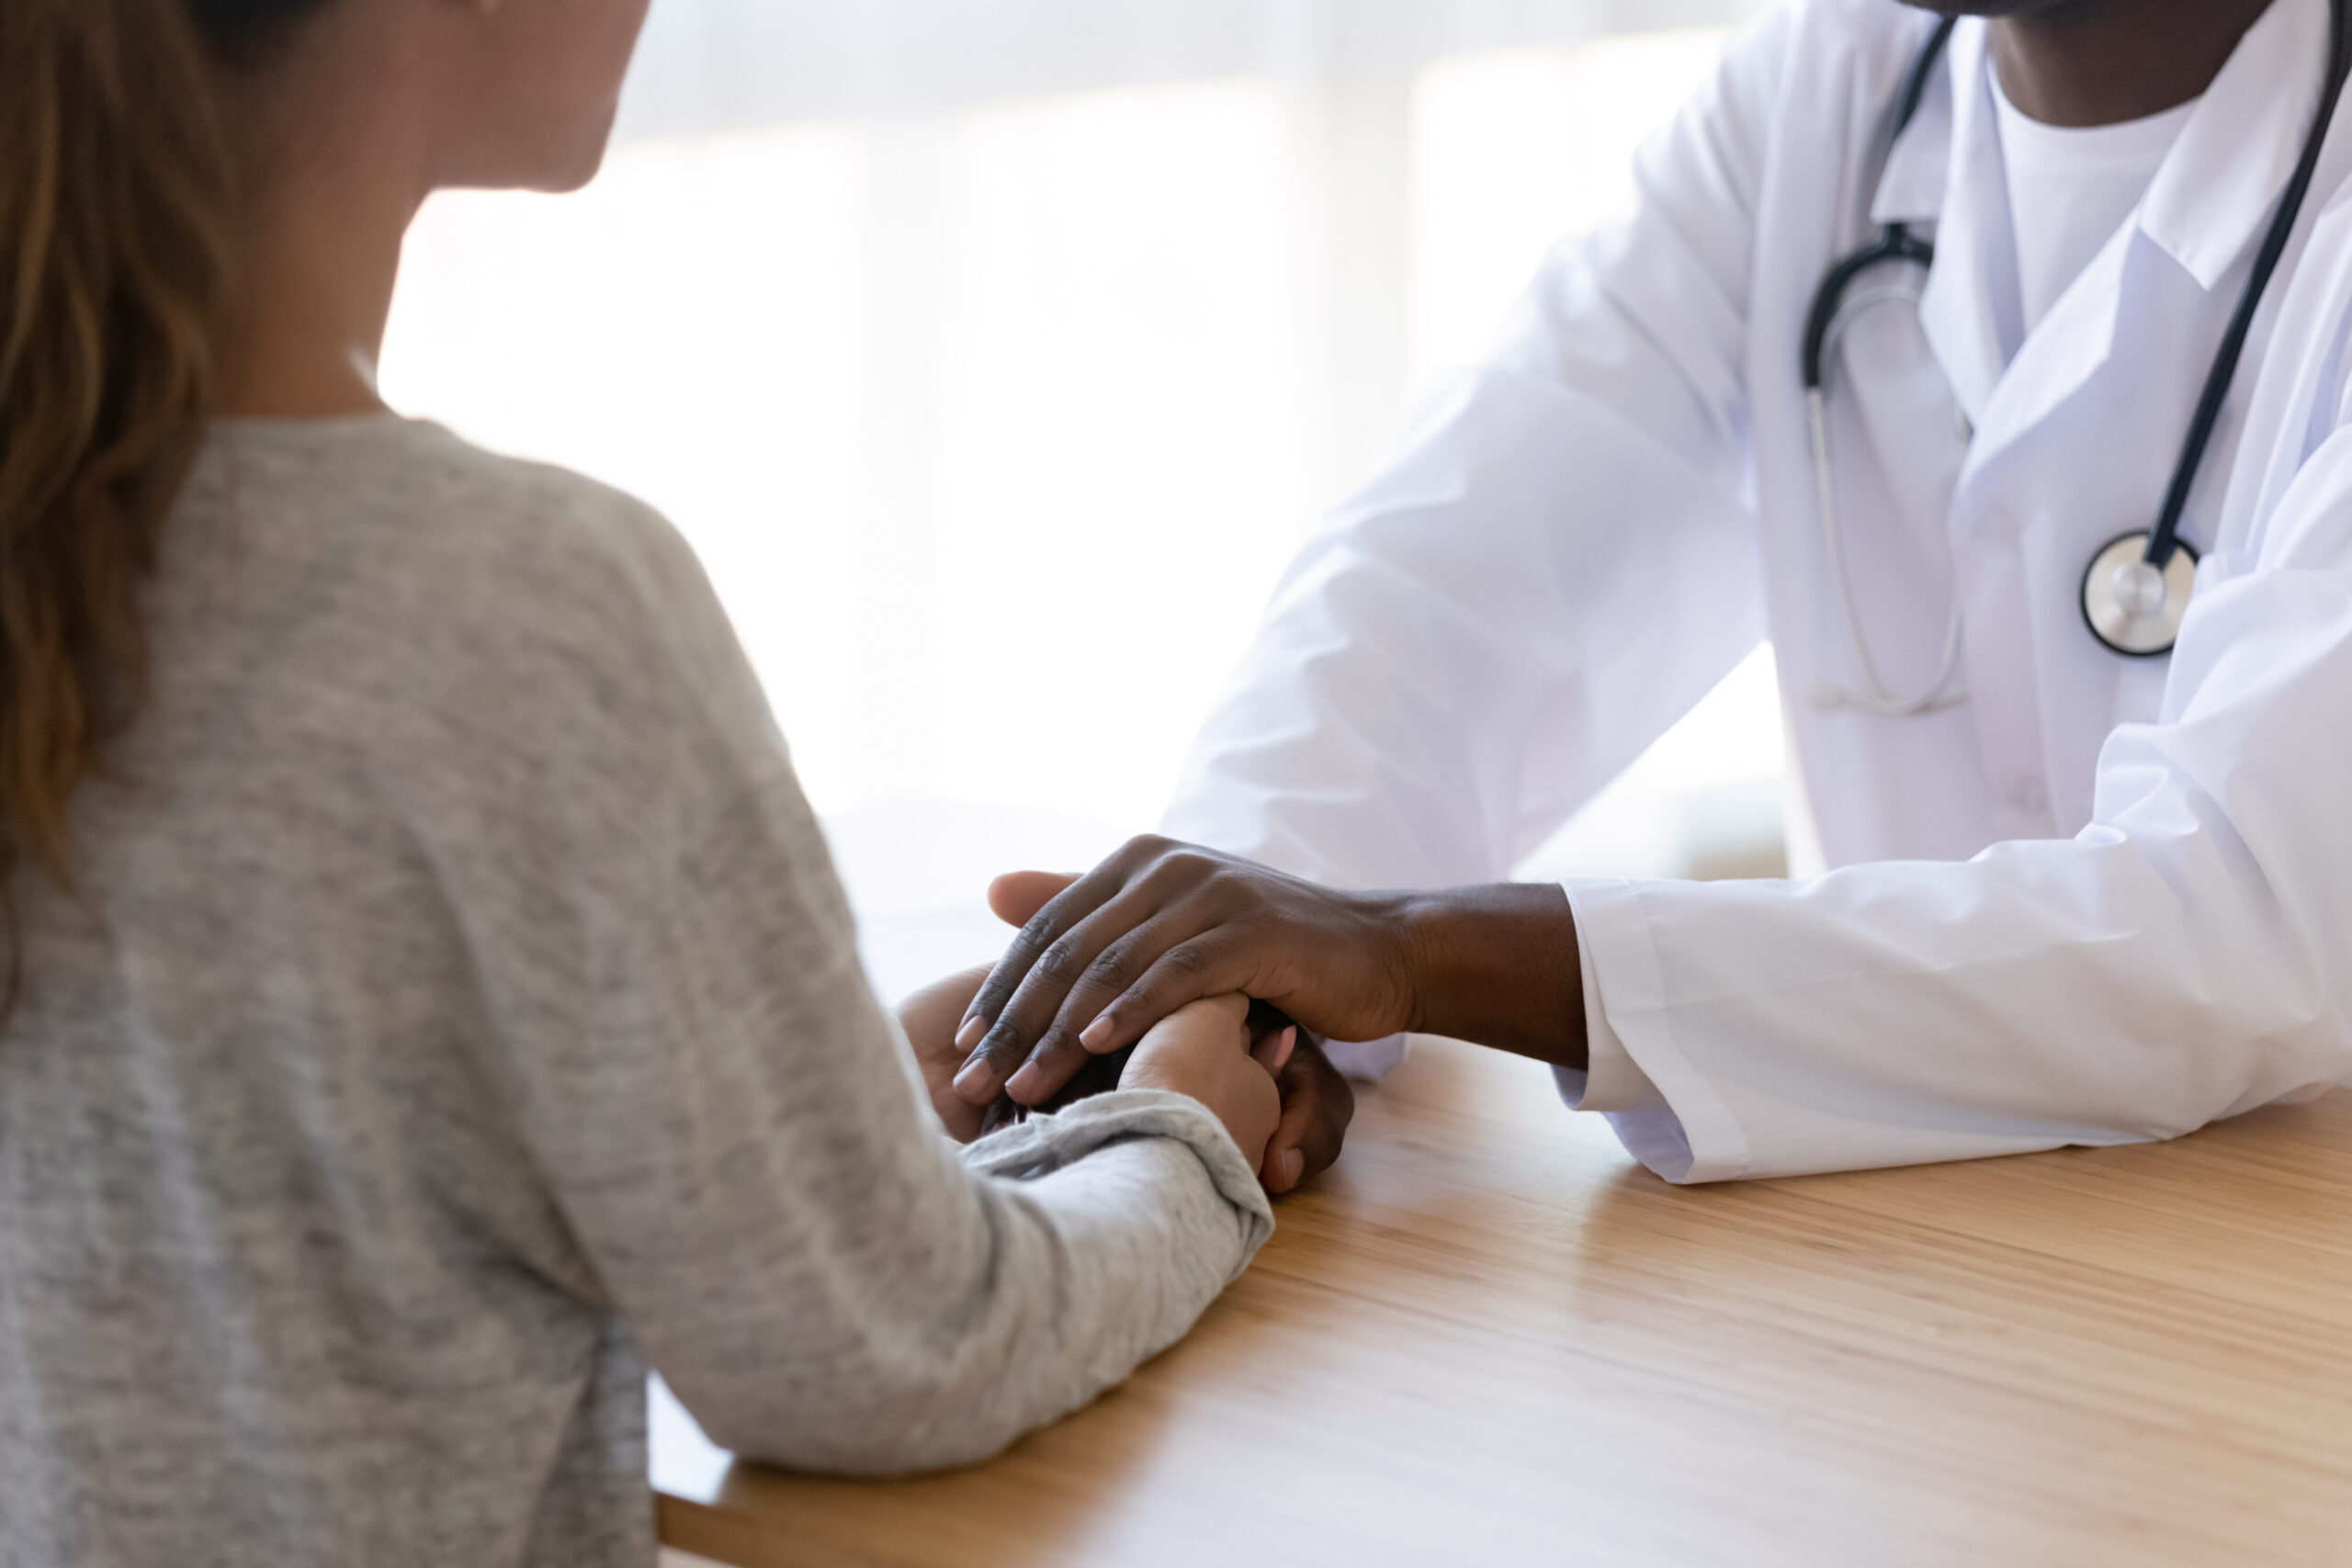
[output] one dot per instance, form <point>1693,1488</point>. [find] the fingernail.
<point>1293,1166</point>
<point>973,1083</point>
<point>1026,1082</point>
<point>969,1035</point>
<point>1096,1036</point>
<point>1282,1051</point>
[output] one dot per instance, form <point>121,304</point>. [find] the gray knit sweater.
<point>457,1015</point>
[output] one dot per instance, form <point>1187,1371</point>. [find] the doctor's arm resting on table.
<point>1559,566</point>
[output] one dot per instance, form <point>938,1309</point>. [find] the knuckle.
<point>1029,941</point>
<point>1226,886</point>
<point>1142,849</point>
<point>1062,1056</point>
<point>1117,965</point>
<point>1191,959</point>
<point>1063,962</point>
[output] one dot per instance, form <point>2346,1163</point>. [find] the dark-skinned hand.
<point>1102,957</point>
<point>1318,1102</point>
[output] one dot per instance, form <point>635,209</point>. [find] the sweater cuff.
<point>1043,1145</point>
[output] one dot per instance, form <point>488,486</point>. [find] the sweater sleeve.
<point>734,1131</point>
<point>745,1156</point>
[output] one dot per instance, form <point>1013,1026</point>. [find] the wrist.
<point>1496,965</point>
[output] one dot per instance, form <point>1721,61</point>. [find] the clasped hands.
<point>1275,1091</point>
<point>1161,947</point>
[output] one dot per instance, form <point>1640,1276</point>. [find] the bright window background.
<point>994,411</point>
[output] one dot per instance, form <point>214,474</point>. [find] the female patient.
<point>431,1004</point>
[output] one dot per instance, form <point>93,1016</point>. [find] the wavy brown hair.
<point>115,201</point>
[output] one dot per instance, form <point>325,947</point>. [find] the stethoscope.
<point>2136,590</point>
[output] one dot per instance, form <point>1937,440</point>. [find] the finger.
<point>1059,1012</point>
<point>1017,896</point>
<point>1035,939</point>
<point>1076,900</point>
<point>1266,1019</point>
<point>1274,1053</point>
<point>1056,1061</point>
<point>934,1010</point>
<point>1285,1163</point>
<point>1099,1076</point>
<point>1317,1105</point>
<point>1034,1025</point>
<point>998,1115</point>
<point>1214,961</point>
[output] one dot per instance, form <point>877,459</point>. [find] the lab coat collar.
<point>2211,199</point>
<point>2215,190</point>
<point>1973,310</point>
<point>1911,187</point>
<point>2218,190</point>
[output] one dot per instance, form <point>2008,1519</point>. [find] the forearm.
<point>1498,965</point>
<point>929,1316</point>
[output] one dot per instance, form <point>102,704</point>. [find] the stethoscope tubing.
<point>1896,243</point>
<point>2165,536</point>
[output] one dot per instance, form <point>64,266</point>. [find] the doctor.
<point>2085,776</point>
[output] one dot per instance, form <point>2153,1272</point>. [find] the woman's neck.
<point>331,165</point>
<point>2085,62</point>
<point>306,327</point>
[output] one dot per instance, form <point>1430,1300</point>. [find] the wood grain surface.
<point>1488,1337</point>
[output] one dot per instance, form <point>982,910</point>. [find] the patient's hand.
<point>1204,1051</point>
<point>931,1017</point>
<point>1317,1105</point>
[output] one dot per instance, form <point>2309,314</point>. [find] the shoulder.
<point>509,537</point>
<point>1805,55</point>
<point>533,597</point>
<point>1795,77</point>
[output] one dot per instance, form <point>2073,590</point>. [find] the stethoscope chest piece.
<point>2130,606</point>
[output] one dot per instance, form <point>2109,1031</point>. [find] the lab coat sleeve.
<point>1611,1084</point>
<point>2180,961</point>
<point>1560,564</point>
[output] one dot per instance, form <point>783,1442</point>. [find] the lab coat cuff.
<point>1610,1080</point>
<point>1663,1111</point>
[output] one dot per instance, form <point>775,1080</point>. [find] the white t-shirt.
<point>2070,189</point>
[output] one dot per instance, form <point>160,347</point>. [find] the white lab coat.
<point>2101,900</point>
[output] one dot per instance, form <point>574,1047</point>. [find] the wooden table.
<point>1489,1338</point>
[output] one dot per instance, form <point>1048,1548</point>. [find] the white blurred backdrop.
<point>995,355</point>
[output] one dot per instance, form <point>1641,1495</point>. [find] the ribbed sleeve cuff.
<point>1044,1145</point>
